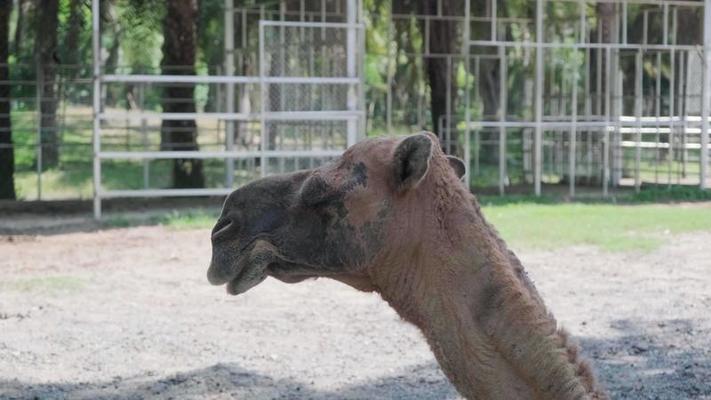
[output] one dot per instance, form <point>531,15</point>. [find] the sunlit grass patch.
<point>177,219</point>
<point>544,225</point>
<point>59,283</point>
<point>609,227</point>
<point>194,219</point>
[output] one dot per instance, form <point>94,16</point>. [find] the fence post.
<point>96,50</point>
<point>538,138</point>
<point>704,159</point>
<point>230,91</point>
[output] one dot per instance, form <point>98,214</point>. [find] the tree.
<point>179,46</point>
<point>47,58</point>
<point>19,25</point>
<point>7,153</point>
<point>444,39</point>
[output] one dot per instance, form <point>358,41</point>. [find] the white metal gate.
<point>311,85</point>
<point>311,92</point>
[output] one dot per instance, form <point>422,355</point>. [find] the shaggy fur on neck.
<point>454,277</point>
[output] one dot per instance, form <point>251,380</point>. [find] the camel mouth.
<point>249,276</point>
<point>248,269</point>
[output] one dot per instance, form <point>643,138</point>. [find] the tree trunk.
<point>17,41</point>
<point>75,25</point>
<point>46,51</point>
<point>7,153</point>
<point>444,39</point>
<point>488,79</point>
<point>179,35</point>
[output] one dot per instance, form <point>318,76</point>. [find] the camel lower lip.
<point>250,275</point>
<point>232,286</point>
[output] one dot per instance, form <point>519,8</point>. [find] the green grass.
<point>189,220</point>
<point>44,284</point>
<point>609,227</point>
<point>176,219</point>
<point>537,225</point>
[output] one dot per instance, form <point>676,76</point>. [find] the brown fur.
<point>443,268</point>
<point>468,293</point>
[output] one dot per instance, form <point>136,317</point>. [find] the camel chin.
<point>288,278</point>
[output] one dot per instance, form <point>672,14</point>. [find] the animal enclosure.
<point>582,97</point>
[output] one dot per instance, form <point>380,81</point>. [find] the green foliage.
<point>139,24</point>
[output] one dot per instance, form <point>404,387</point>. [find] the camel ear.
<point>457,165</point>
<point>412,160</point>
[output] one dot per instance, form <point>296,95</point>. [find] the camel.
<point>392,216</point>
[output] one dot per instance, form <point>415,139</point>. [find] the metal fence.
<point>569,107</point>
<point>310,107</point>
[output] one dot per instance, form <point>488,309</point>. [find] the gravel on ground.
<point>128,314</point>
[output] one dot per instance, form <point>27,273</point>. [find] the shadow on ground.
<point>229,380</point>
<point>656,359</point>
<point>647,360</point>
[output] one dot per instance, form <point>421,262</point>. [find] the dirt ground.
<point>128,314</point>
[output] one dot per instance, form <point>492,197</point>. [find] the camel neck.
<point>483,319</point>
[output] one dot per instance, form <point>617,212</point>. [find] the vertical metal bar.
<point>144,136</point>
<point>351,69</point>
<point>39,93</point>
<point>598,73</point>
<point>638,115</point>
<point>665,22</point>
<point>390,71</point>
<point>361,74</point>
<point>230,90</point>
<point>502,117</point>
<point>477,133</point>
<point>493,21</point>
<point>324,137</point>
<point>675,19</point>
<point>537,156</point>
<point>617,77</point>
<point>96,105</point>
<point>606,132</point>
<point>616,151</point>
<point>657,111</point>
<point>685,81</point>
<point>264,140</point>
<point>467,95</point>
<point>624,22</point>
<point>645,26</point>
<point>302,18</point>
<point>672,112</point>
<point>572,144</point>
<point>680,112</point>
<point>705,101</point>
<point>588,112</point>
<point>448,107</point>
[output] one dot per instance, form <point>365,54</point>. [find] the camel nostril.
<point>222,227</point>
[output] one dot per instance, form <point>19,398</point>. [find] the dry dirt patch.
<point>127,313</point>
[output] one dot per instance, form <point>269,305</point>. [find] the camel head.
<point>331,221</point>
